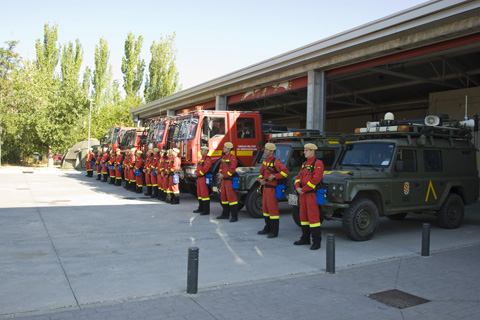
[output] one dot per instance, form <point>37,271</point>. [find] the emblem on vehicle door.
<point>406,188</point>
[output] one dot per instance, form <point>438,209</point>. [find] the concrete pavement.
<point>75,248</point>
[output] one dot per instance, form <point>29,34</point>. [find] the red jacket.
<point>203,166</point>
<point>310,175</point>
<point>275,168</point>
<point>228,165</point>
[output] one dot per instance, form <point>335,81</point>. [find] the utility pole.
<point>89,121</point>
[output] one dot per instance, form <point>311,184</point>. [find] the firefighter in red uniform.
<point>111,166</point>
<point>131,175</point>
<point>138,169</point>
<point>225,175</point>
<point>147,171</point>
<point>153,173</point>
<point>118,167</point>
<point>160,176</point>
<point>203,193</point>
<point>126,169</point>
<point>98,164</point>
<point>89,162</point>
<point>175,166</point>
<point>166,170</point>
<point>271,171</point>
<point>105,158</point>
<point>306,183</point>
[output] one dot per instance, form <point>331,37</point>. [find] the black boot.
<point>99,176</point>
<point>274,223</point>
<point>305,238</point>
<point>316,238</point>
<point>200,207</point>
<point>133,186</point>
<point>118,182</point>
<point>162,195</point>
<point>105,177</point>
<point>112,180</point>
<point>266,229</point>
<point>234,211</point>
<point>149,191</point>
<point>155,192</point>
<point>206,208</point>
<point>175,198</point>
<point>139,189</point>
<point>225,213</point>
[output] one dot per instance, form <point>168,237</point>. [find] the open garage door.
<point>399,83</point>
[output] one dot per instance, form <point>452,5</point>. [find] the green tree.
<point>102,75</point>
<point>133,66</point>
<point>9,63</point>
<point>162,79</point>
<point>48,53</point>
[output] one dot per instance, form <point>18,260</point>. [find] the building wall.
<point>452,102</point>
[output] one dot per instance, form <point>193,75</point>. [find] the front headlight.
<point>190,171</point>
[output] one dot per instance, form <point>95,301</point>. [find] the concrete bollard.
<point>331,253</point>
<point>192,272</point>
<point>426,239</point>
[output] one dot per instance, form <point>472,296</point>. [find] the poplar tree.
<point>133,66</point>
<point>162,79</point>
<point>102,75</point>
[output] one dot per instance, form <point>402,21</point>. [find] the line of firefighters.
<point>160,168</point>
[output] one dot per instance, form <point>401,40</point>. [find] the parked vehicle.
<point>399,167</point>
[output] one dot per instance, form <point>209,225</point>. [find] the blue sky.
<point>213,37</point>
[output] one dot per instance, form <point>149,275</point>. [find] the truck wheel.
<point>253,203</point>
<point>397,216</point>
<point>450,215</point>
<point>360,220</point>
<point>296,215</point>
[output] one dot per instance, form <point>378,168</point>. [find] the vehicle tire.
<point>360,220</point>
<point>254,202</point>
<point>296,215</point>
<point>397,216</point>
<point>450,215</point>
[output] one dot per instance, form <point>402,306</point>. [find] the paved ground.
<point>75,248</point>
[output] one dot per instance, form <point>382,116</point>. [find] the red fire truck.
<point>113,136</point>
<point>191,130</point>
<point>133,138</point>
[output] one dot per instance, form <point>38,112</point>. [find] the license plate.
<point>292,199</point>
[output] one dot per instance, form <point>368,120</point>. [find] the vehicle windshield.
<point>186,129</point>
<point>115,135</point>
<point>156,132</point>
<point>281,153</point>
<point>368,154</point>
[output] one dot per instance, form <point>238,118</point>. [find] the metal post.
<point>89,120</point>
<point>426,240</point>
<point>192,273</point>
<point>331,253</point>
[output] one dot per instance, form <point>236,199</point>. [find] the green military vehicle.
<point>290,152</point>
<point>399,167</point>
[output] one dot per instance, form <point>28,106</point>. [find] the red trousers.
<point>270,203</point>
<point>228,195</point>
<point>148,182</point>
<point>309,213</point>
<point>118,174</point>
<point>202,189</point>
<point>154,180</point>
<point>173,187</point>
<point>139,179</point>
